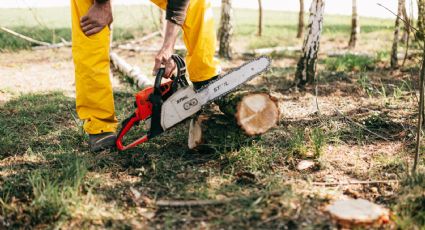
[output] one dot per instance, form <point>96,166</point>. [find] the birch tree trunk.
<point>301,20</point>
<point>421,20</point>
<point>394,59</point>
<point>226,30</point>
<point>406,31</point>
<point>355,26</point>
<point>306,68</point>
<point>260,18</point>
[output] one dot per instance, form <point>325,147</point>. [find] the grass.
<point>349,62</point>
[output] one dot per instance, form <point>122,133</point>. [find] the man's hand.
<point>163,58</point>
<point>98,16</point>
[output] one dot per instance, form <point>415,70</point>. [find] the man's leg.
<point>200,39</point>
<point>94,98</point>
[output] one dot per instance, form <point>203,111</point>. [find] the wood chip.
<point>357,213</point>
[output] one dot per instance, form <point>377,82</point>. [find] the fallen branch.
<point>141,80</point>
<point>42,45</point>
<point>360,125</point>
<point>24,37</point>
<point>354,182</point>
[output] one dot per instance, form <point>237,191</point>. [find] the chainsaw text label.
<point>181,99</point>
<point>218,87</point>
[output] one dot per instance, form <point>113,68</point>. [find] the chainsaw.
<point>165,105</point>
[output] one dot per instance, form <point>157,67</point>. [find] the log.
<point>255,113</point>
<point>141,80</point>
<point>245,114</point>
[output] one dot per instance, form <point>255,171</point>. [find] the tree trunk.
<point>420,35</point>
<point>260,18</point>
<point>226,30</point>
<point>252,113</point>
<point>394,59</point>
<point>406,31</point>
<point>301,20</point>
<point>355,27</point>
<point>306,68</point>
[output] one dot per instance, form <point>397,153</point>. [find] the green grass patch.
<point>349,62</point>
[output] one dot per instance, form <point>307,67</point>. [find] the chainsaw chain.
<point>233,70</point>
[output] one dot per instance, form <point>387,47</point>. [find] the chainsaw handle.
<point>127,125</point>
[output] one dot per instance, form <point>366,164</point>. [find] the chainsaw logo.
<point>181,99</point>
<point>188,105</point>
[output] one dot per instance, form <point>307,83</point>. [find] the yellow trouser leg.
<point>94,98</point>
<point>200,39</point>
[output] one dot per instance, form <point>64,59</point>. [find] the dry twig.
<point>28,39</point>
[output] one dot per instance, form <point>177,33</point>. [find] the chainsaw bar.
<point>231,81</point>
<point>186,102</point>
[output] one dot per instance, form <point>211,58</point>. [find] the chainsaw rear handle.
<point>134,119</point>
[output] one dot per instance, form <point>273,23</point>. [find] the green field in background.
<point>49,24</point>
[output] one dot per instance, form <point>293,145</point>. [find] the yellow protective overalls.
<point>94,98</point>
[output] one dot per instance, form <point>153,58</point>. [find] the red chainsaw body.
<point>143,105</point>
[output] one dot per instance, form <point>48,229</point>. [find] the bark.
<point>420,35</point>
<point>394,58</point>
<point>248,114</point>
<point>226,30</point>
<point>420,114</point>
<point>406,29</point>
<point>355,26</point>
<point>260,18</point>
<point>306,68</point>
<point>301,20</point>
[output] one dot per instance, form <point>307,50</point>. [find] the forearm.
<point>171,34</point>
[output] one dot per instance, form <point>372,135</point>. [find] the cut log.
<point>354,213</point>
<point>255,113</point>
<point>141,80</point>
<point>246,114</point>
